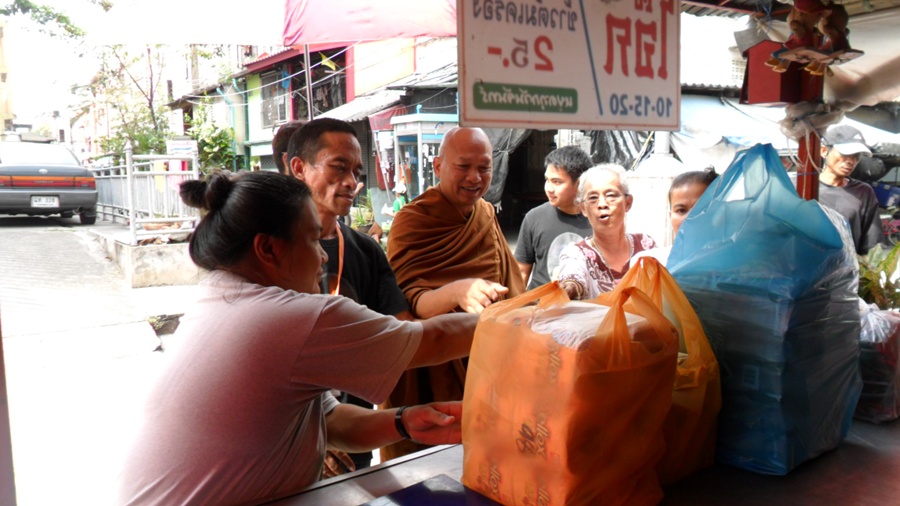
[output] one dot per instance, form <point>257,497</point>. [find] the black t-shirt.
<point>857,202</point>
<point>367,277</point>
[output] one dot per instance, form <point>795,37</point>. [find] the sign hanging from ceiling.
<point>579,64</point>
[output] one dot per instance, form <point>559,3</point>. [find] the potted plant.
<point>363,215</point>
<point>877,282</point>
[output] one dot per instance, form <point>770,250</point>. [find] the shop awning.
<point>363,106</point>
<point>311,21</point>
<point>875,76</point>
<point>881,142</point>
<point>709,120</point>
<point>713,129</point>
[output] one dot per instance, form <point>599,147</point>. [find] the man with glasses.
<point>842,148</point>
<point>596,264</point>
<point>325,154</point>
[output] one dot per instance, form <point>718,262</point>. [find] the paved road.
<point>79,354</point>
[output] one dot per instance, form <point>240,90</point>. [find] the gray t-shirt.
<point>238,414</point>
<point>857,202</point>
<point>545,232</point>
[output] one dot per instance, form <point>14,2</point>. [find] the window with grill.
<point>275,96</point>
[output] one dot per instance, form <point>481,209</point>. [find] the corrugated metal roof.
<point>442,77</point>
<point>361,107</point>
<point>708,58</point>
<point>776,9</point>
<point>728,9</point>
<point>272,58</point>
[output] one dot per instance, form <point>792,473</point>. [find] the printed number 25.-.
<point>542,45</point>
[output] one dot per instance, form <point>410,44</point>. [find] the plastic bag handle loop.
<point>643,306</point>
<point>549,294</point>
<point>650,270</point>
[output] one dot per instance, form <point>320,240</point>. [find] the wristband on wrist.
<point>398,423</point>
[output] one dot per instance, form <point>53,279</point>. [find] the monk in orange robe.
<point>449,254</point>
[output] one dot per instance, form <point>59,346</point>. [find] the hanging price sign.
<point>579,64</point>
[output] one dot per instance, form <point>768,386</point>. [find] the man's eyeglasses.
<point>610,198</point>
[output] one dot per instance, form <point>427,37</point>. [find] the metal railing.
<point>143,194</point>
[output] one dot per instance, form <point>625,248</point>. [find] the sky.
<point>42,69</point>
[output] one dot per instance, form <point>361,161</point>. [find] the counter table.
<point>863,471</point>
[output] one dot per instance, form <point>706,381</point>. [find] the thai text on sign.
<point>589,64</point>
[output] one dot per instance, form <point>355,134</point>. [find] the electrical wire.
<point>279,81</point>
<point>370,64</point>
<point>300,72</point>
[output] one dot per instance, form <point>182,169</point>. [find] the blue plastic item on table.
<point>774,285</point>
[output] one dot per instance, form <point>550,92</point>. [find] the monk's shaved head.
<point>464,167</point>
<point>454,133</point>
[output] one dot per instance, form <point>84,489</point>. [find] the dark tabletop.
<point>864,470</point>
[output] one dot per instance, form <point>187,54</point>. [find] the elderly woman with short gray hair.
<point>594,265</point>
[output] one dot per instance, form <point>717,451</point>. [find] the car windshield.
<point>34,153</point>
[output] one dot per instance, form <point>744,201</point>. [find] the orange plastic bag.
<point>549,424</point>
<point>690,428</point>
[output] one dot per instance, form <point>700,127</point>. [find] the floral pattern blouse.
<point>581,263</point>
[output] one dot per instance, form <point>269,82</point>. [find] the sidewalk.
<point>79,354</point>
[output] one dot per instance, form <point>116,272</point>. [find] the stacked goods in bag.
<point>774,285</point>
<point>564,401</point>
<point>878,364</point>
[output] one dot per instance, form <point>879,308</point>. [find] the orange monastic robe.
<point>430,245</point>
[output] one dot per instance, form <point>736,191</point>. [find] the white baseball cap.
<point>846,139</point>
<point>400,188</point>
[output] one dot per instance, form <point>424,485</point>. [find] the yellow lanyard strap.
<point>337,285</point>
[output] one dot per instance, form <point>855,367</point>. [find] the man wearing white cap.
<point>842,148</point>
<point>400,191</point>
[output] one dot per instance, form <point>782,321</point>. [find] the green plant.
<point>215,144</point>
<point>359,218</point>
<point>877,282</point>
<point>364,214</point>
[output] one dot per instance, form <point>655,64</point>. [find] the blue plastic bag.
<point>774,285</point>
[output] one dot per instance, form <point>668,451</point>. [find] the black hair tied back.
<point>218,190</point>
<point>239,207</point>
<point>211,194</point>
<point>710,175</point>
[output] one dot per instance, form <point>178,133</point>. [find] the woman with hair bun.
<point>242,412</point>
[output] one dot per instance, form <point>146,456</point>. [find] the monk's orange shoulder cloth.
<point>432,244</point>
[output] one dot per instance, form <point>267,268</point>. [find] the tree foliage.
<point>215,144</point>
<point>127,86</point>
<point>49,20</point>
